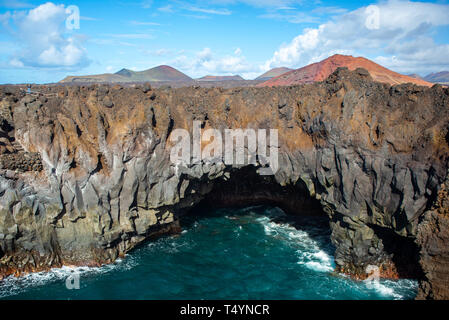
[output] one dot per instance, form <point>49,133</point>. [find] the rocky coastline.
<point>86,176</point>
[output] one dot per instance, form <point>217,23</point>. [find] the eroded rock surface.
<point>370,156</point>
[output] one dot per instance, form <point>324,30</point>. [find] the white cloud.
<point>43,39</point>
<point>405,32</point>
<point>167,9</point>
<point>4,18</point>
<point>144,23</point>
<point>162,52</point>
<point>205,62</point>
<point>146,4</point>
<point>196,9</point>
<point>291,16</point>
<point>14,4</point>
<point>196,16</point>
<point>159,52</point>
<point>66,55</point>
<point>225,12</point>
<point>258,3</point>
<point>16,63</point>
<point>89,18</point>
<point>204,55</point>
<point>329,10</point>
<point>132,36</point>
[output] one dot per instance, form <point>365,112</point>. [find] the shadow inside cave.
<point>246,191</point>
<point>404,252</point>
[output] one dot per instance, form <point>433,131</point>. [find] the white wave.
<point>386,291</point>
<point>382,289</point>
<point>321,255</point>
<point>392,288</point>
<point>12,285</point>
<point>321,262</point>
<point>309,251</point>
<point>318,266</point>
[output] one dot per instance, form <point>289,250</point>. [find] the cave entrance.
<point>404,253</point>
<point>247,196</point>
<point>246,187</point>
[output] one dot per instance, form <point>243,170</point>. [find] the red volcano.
<point>321,70</point>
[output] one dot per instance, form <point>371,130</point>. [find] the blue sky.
<point>219,37</point>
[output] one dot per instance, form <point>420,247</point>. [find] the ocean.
<point>250,253</point>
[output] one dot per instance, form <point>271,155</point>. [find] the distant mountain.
<point>439,77</point>
<point>221,78</point>
<point>106,77</point>
<point>160,73</point>
<point>414,75</point>
<point>321,70</point>
<point>276,72</point>
<point>125,73</point>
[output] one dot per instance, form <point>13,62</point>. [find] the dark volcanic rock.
<point>433,239</point>
<point>370,156</point>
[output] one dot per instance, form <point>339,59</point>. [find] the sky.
<point>43,41</point>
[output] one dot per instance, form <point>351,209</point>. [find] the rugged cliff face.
<point>87,175</point>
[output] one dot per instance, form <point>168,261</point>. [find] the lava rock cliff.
<point>85,171</point>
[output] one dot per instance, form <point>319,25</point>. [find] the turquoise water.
<point>252,253</point>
